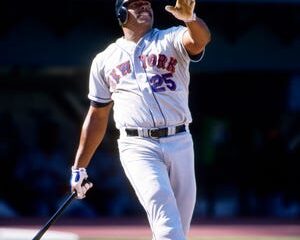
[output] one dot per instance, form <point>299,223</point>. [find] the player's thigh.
<point>181,155</point>
<point>182,170</point>
<point>144,167</point>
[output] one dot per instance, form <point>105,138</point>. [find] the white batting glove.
<point>79,182</point>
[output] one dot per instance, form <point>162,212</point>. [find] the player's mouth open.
<point>145,13</point>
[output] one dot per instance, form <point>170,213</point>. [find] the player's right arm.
<point>92,134</point>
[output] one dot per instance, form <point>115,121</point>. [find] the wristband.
<point>194,18</point>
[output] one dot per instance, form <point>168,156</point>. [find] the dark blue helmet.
<point>121,11</point>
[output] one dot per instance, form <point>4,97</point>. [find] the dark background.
<point>244,97</point>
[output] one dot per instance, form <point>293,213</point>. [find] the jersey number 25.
<point>159,83</point>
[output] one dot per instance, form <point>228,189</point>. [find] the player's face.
<point>142,11</point>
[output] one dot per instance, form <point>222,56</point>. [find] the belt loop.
<point>145,132</point>
<point>171,131</point>
<point>123,132</point>
<point>187,129</point>
<point>141,132</point>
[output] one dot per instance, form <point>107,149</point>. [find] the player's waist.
<point>154,132</point>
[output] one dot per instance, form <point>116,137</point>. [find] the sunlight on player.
<point>145,77</point>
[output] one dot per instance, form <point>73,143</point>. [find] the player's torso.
<point>149,83</point>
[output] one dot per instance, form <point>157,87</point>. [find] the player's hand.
<point>183,10</point>
<point>79,182</point>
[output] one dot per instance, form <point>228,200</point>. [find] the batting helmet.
<point>121,11</point>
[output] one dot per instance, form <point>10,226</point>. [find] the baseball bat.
<point>55,216</point>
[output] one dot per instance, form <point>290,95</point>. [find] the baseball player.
<point>145,77</point>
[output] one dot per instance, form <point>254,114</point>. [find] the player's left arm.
<point>198,34</point>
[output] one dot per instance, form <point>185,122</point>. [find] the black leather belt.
<point>155,132</point>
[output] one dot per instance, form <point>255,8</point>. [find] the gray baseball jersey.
<point>147,81</point>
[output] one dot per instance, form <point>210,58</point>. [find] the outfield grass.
<point>208,238</point>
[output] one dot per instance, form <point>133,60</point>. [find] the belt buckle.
<point>153,133</point>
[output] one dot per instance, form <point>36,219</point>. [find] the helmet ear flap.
<point>122,15</point>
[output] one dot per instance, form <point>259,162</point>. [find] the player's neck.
<point>134,35</point>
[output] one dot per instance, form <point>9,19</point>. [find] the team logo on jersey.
<point>158,82</point>
<point>119,71</point>
<point>160,61</point>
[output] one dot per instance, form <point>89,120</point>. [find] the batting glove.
<point>183,10</point>
<point>79,182</point>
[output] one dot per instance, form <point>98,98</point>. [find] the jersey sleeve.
<point>98,87</point>
<point>177,36</point>
<point>198,57</point>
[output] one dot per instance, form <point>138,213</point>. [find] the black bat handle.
<point>55,216</point>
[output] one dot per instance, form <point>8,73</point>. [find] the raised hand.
<point>183,10</point>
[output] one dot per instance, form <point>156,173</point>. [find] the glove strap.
<point>77,169</point>
<point>194,18</point>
